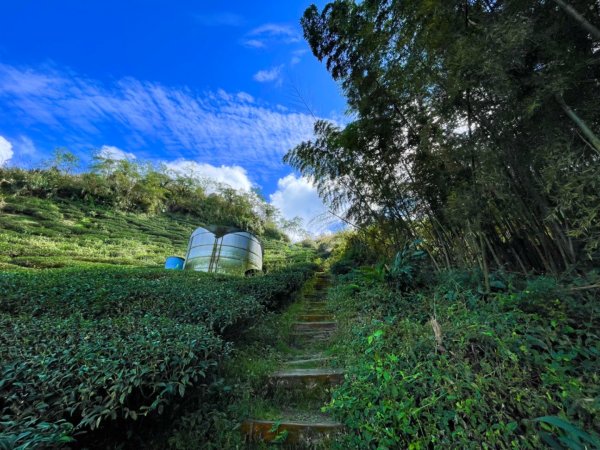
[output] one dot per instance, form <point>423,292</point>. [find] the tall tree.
<point>474,124</point>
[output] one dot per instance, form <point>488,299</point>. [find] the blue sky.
<point>222,89</point>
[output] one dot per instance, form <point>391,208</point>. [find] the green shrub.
<point>342,267</point>
<point>80,347</point>
<point>500,365</point>
<point>403,271</point>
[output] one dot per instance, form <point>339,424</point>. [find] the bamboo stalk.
<point>579,18</point>
<point>594,140</point>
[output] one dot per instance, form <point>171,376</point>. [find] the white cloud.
<point>245,97</point>
<point>297,56</point>
<point>234,176</point>
<point>24,147</point>
<point>207,126</point>
<point>6,151</point>
<point>111,152</point>
<point>272,33</point>
<point>298,197</point>
<point>254,43</point>
<point>264,76</point>
<point>275,29</point>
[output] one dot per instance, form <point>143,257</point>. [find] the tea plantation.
<point>92,340</point>
<point>51,233</point>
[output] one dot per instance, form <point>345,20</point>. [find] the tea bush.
<point>39,233</point>
<point>80,347</point>
<point>449,367</point>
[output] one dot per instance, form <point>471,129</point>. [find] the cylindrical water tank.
<point>224,250</point>
<point>174,263</point>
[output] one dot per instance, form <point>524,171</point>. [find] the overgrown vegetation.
<point>467,296</point>
<point>245,391</point>
<point>46,228</point>
<point>474,134</point>
<point>450,366</point>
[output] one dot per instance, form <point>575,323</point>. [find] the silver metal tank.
<point>224,250</point>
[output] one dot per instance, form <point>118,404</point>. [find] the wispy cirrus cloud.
<point>215,127</point>
<point>277,30</point>
<point>271,33</point>
<point>254,43</point>
<point>297,56</point>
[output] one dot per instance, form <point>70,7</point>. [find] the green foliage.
<point>342,267</point>
<point>91,346</point>
<point>42,233</point>
<point>402,273</point>
<point>35,435</point>
<point>243,390</point>
<point>497,367</point>
<point>569,436</point>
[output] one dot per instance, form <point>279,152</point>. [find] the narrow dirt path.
<point>301,386</point>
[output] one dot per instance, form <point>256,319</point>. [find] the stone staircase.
<point>302,384</point>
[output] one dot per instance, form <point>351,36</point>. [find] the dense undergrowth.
<point>81,347</point>
<point>447,366</point>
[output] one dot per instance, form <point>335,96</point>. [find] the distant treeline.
<point>137,187</point>
<point>475,128</point>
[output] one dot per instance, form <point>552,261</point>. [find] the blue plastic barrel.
<point>174,263</point>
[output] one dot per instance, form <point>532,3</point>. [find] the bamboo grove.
<point>473,127</point>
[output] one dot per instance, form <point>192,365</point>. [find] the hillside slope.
<point>46,233</point>
<point>96,337</point>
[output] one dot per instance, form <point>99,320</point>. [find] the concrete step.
<point>315,317</point>
<point>318,360</point>
<point>308,334</point>
<point>307,326</point>
<point>305,434</point>
<point>315,312</point>
<point>307,378</point>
